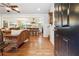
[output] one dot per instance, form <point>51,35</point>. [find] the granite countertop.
<point>68,32</point>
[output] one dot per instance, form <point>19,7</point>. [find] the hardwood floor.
<point>37,46</point>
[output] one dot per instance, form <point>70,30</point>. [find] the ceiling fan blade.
<point>5,4</point>
<point>15,10</point>
<point>12,7</point>
<point>1,5</point>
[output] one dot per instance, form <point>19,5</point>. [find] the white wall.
<point>52,34</point>
<point>52,26</point>
<point>14,17</point>
<point>0,21</point>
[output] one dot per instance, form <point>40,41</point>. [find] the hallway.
<point>37,46</point>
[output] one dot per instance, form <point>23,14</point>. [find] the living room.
<point>26,25</point>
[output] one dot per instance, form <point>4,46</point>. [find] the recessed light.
<point>38,9</point>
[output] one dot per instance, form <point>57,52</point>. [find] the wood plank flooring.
<point>36,46</point>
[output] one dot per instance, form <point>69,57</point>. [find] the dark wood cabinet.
<point>61,44</point>
<point>65,46</point>
<point>58,45</point>
<point>67,29</point>
<point>67,42</point>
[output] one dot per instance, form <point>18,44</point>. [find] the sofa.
<point>16,38</point>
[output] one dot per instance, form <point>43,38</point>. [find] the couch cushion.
<point>16,32</point>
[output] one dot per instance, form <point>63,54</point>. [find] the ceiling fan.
<point>10,7</point>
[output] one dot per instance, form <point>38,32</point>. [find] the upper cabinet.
<point>66,14</point>
<point>62,14</point>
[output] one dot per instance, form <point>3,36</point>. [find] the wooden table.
<point>33,31</point>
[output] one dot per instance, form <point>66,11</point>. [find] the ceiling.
<point>29,8</point>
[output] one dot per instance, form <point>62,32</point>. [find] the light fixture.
<point>8,9</point>
<point>38,9</point>
<point>17,9</point>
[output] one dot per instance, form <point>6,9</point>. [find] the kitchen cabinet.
<point>67,29</point>
<point>61,44</point>
<point>58,45</point>
<point>67,42</point>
